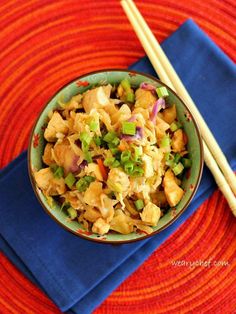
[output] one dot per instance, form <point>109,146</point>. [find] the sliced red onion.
<point>137,136</point>
<point>74,167</point>
<point>147,86</point>
<point>139,131</point>
<point>83,164</point>
<point>158,105</point>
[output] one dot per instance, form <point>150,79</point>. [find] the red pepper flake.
<point>191,187</point>
<point>84,232</point>
<point>188,173</point>
<point>36,140</point>
<point>82,83</point>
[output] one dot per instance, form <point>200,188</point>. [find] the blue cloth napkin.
<point>77,274</point>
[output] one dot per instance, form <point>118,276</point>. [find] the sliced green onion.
<point>187,163</point>
<point>82,185</point>
<point>59,173</point>
<point>175,126</point>
<point>72,212</point>
<point>84,147</point>
<point>87,156</point>
<point>128,128</point>
<point>137,152</point>
<point>109,137</point>
<point>125,156</point>
<point>126,84</point>
<point>170,163</point>
<point>139,204</point>
<point>85,138</point>
<point>130,97</point>
<point>177,158</point>
<point>178,168</point>
<point>70,180</point>
<point>168,156</point>
<point>93,126</point>
<point>97,140</point>
<point>115,164</point>
<point>129,167</point>
<point>116,141</point>
<point>137,171</point>
<point>165,141</point>
<point>108,161</point>
<point>114,151</point>
<point>89,179</point>
<point>162,92</point>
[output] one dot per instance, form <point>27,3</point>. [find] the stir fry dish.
<point>115,157</point>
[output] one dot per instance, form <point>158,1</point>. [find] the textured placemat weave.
<point>43,44</point>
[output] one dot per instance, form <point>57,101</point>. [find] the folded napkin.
<point>77,274</point>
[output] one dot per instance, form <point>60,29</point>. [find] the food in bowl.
<point>115,156</point>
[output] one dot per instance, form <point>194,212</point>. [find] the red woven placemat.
<point>45,44</point>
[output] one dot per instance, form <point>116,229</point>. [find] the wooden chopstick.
<point>168,75</point>
<point>182,92</point>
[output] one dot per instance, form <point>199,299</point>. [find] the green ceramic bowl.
<point>37,143</point>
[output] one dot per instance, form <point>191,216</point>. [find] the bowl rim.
<point>97,240</point>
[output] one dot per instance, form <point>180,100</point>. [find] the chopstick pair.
<point>213,155</point>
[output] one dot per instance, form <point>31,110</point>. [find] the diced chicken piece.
<point>93,169</point>
<point>162,125</point>
<point>50,185</point>
<point>151,214</point>
<point>47,155</point>
<point>55,125</point>
<point>178,141</point>
<point>118,181</point>
<point>100,226</point>
<point>169,114</point>
<point>122,223</point>
<point>65,157</point>
<point>92,214</point>
<point>79,122</point>
<point>159,133</point>
<point>144,98</point>
<point>93,193</point>
<point>173,192</point>
<point>148,166</point>
<point>96,98</point>
<point>106,208</point>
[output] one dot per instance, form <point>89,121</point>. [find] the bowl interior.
<point>37,143</point>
